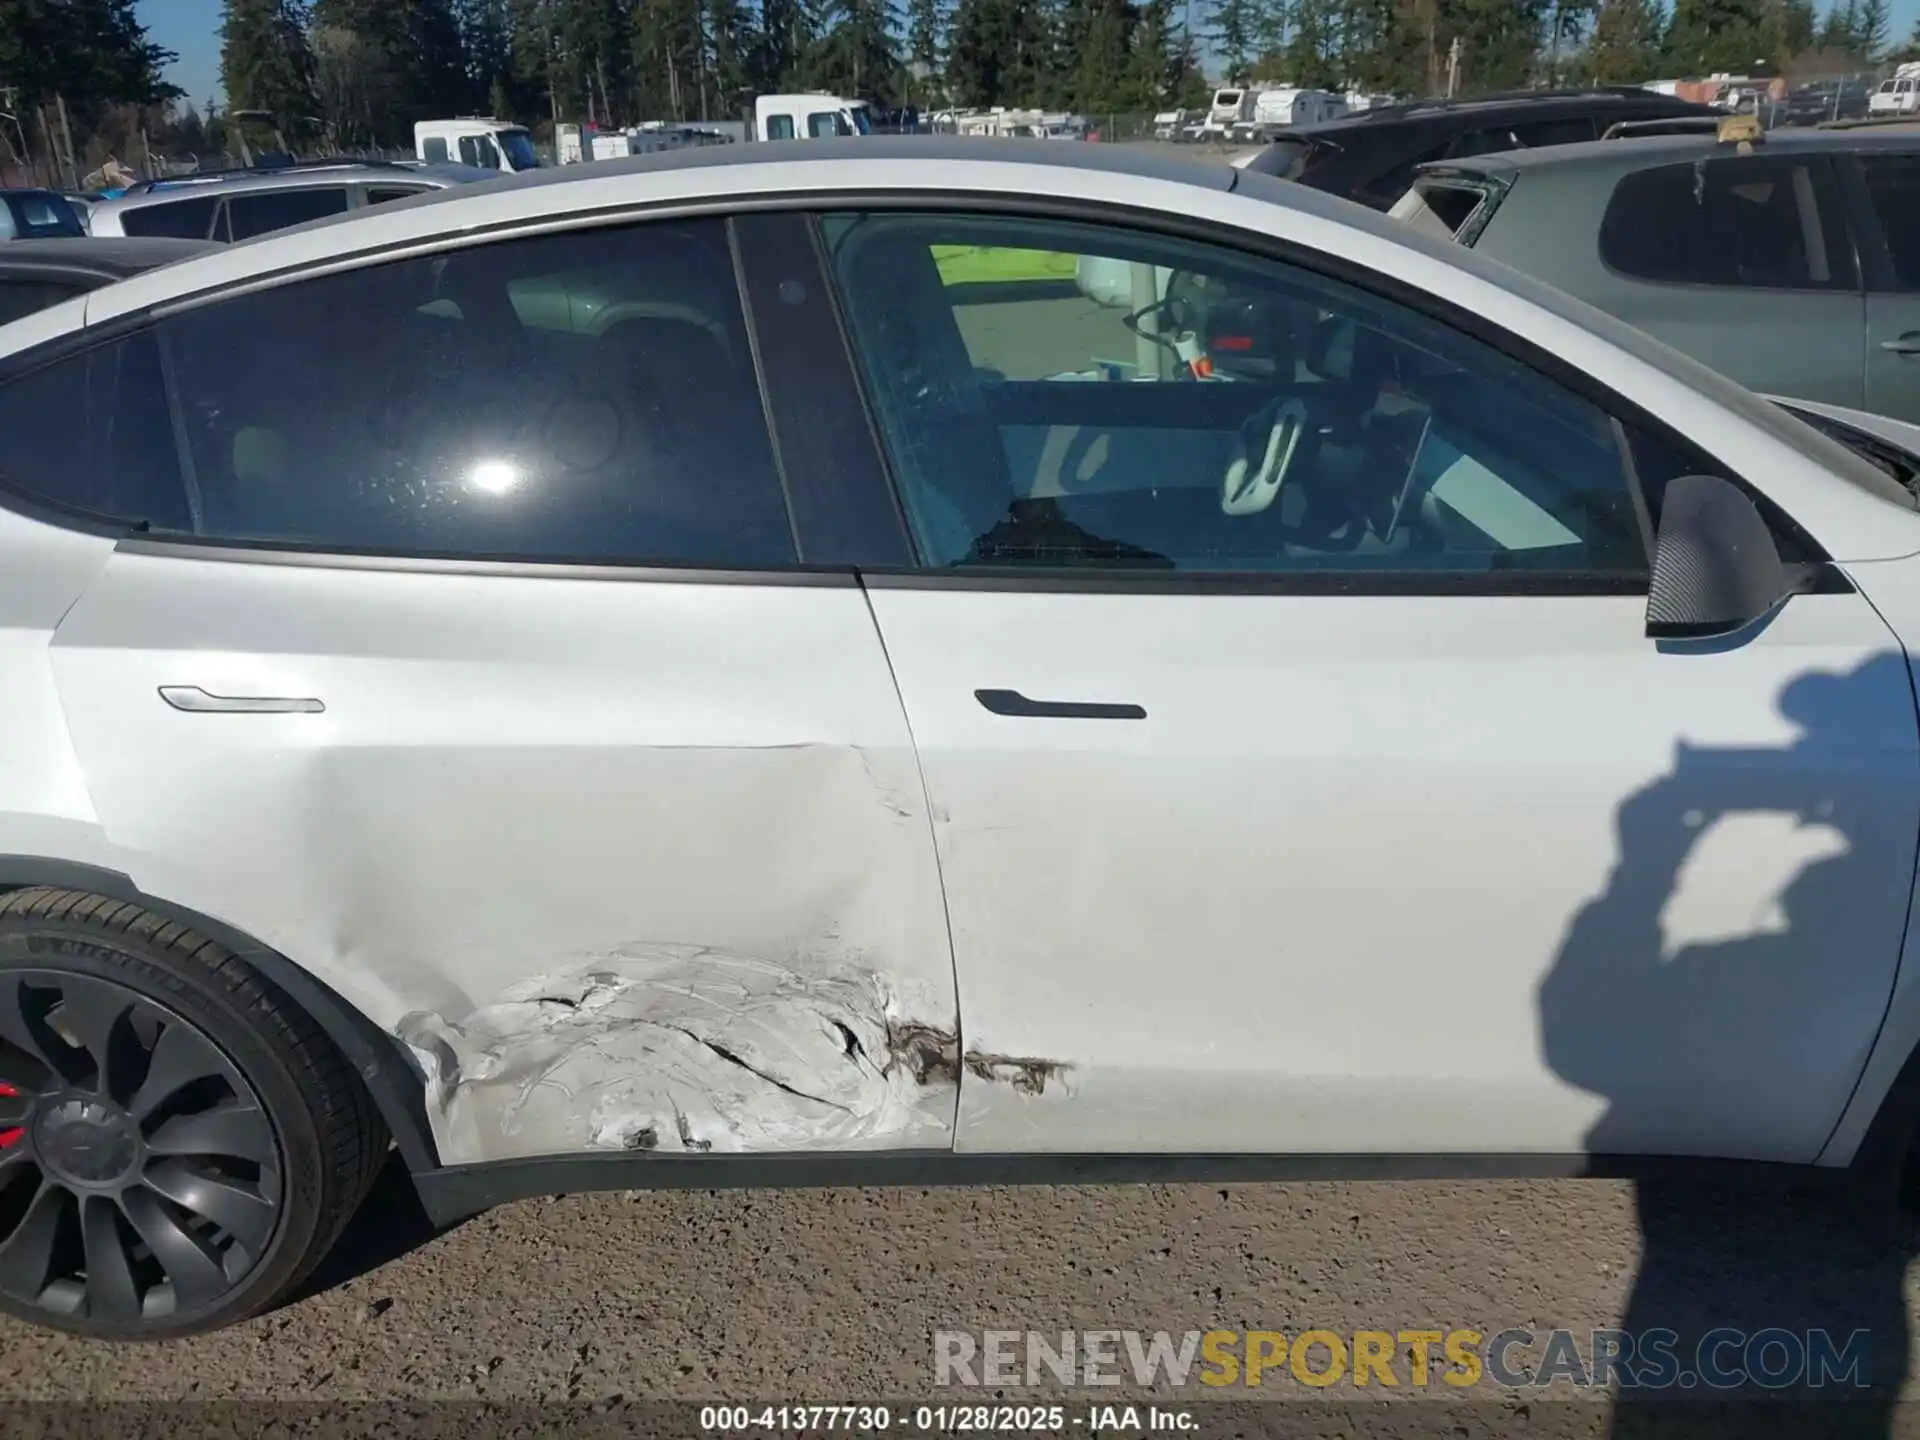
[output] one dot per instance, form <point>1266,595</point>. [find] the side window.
<point>1569,130</point>
<point>1489,141</point>
<point>1390,184</point>
<point>478,150</point>
<point>822,124</point>
<point>1756,222</point>
<point>381,194</point>
<point>46,216</point>
<point>587,396</point>
<point>1893,183</point>
<point>779,127</point>
<point>268,210</point>
<point>90,433</point>
<point>434,150</point>
<point>188,219</point>
<point>1065,395</point>
<point>24,297</point>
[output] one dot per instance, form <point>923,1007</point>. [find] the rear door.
<point>1885,186</point>
<point>472,659</point>
<point>1743,262</point>
<point>261,212</point>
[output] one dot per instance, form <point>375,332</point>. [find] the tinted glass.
<point>380,194</point>
<point>821,124</point>
<point>1062,395</point>
<point>188,219</point>
<point>1893,181</point>
<point>1386,186</point>
<point>478,150</point>
<point>1568,130</point>
<point>520,150</point>
<point>43,217</point>
<point>434,150</point>
<point>1761,222</point>
<point>23,297</point>
<point>91,433</point>
<point>268,210</point>
<point>584,396</point>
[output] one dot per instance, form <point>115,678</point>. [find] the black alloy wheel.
<point>140,1175</point>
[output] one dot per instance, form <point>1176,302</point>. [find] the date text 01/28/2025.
<point>948,1419</point>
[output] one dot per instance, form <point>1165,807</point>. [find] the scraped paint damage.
<point>683,1048</point>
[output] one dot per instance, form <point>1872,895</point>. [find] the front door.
<point>630,858</point>
<point>1888,186</point>
<point>1302,776</point>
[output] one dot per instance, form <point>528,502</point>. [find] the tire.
<point>204,1130</point>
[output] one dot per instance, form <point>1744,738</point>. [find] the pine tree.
<point>855,53</point>
<point>265,62</point>
<point>1626,42</point>
<point>1870,30</point>
<point>486,44</point>
<point>926,35</point>
<point>1233,27</point>
<point>1154,62</point>
<point>1727,35</point>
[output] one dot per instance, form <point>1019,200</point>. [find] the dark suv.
<point>1371,157</point>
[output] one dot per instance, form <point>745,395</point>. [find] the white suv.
<point>232,205</point>
<point>633,676</point>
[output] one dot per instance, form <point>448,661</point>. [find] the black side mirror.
<point>1715,566</point>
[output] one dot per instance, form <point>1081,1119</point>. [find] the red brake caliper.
<point>7,1137</point>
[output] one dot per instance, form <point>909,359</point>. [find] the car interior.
<point>1249,417</point>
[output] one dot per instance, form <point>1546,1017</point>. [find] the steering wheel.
<point>1263,456</point>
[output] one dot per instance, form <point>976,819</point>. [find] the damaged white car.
<point>911,661</point>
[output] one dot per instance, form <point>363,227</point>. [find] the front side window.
<point>478,150</point>
<point>587,396</point>
<point>268,210</point>
<point>1751,222</point>
<point>1057,394</point>
<point>1893,185</point>
<point>780,127</point>
<point>824,123</point>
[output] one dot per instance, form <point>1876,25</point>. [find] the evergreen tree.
<point>1727,35</point>
<point>855,53</point>
<point>1626,42</point>
<point>265,62</point>
<point>926,28</point>
<point>1870,30</point>
<point>1233,26</point>
<point>1153,64</point>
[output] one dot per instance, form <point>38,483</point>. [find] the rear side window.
<point>780,127</point>
<point>588,396</point>
<point>1752,222</point>
<point>1568,130</point>
<point>269,210</point>
<point>42,217</point>
<point>1388,185</point>
<point>90,433</point>
<point>381,194</point>
<point>188,219</point>
<point>24,297</point>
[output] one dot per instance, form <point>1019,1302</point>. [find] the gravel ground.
<point>833,1295</point>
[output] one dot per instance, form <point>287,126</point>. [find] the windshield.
<point>862,121</point>
<point>44,216</point>
<point>519,150</point>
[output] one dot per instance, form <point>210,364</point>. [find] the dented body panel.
<point>656,799</point>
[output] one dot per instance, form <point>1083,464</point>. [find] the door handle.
<point>1907,344</point>
<point>1012,702</point>
<point>197,701</point>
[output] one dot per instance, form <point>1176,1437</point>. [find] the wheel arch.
<point>383,1067</point>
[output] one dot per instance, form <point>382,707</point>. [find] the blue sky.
<point>192,29</point>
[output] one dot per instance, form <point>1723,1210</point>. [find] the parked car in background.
<point>37,273</point>
<point>1897,95</point>
<point>1791,265</point>
<point>1371,157</point>
<point>239,204</point>
<point>38,215</point>
<point>796,720</point>
<point>1825,100</point>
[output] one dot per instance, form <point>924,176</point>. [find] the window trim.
<point>1616,408</point>
<point>815,202</point>
<point>1816,162</point>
